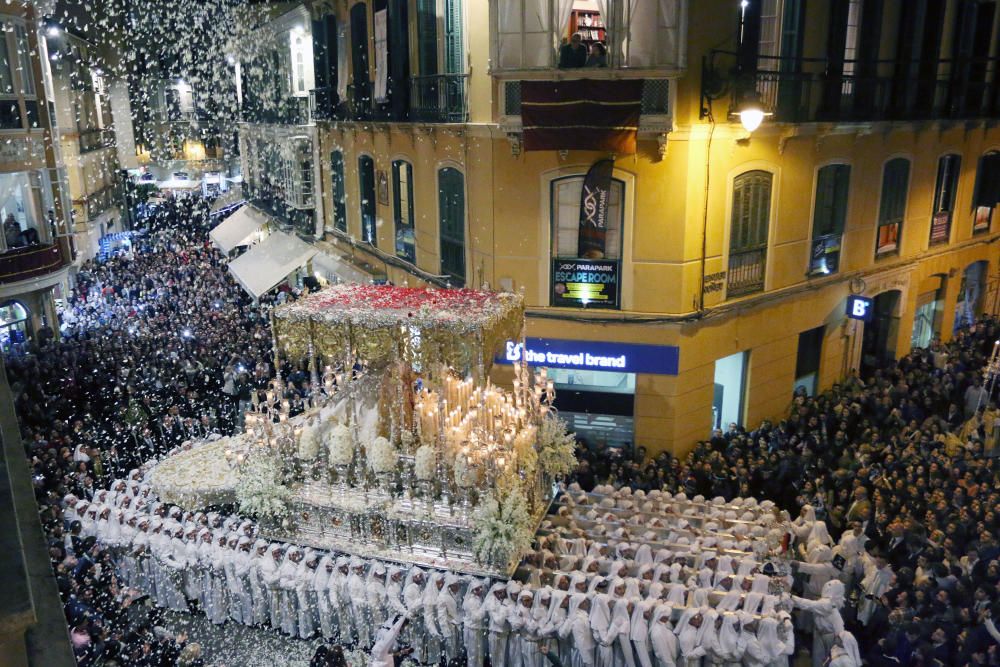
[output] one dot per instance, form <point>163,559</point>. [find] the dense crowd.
<point>896,465</point>
<point>158,345</point>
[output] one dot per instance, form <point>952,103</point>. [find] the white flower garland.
<point>504,529</point>
<point>259,490</point>
<point>556,447</point>
<point>309,442</point>
<point>381,456</point>
<point>423,463</point>
<point>341,445</point>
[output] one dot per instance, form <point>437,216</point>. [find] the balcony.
<point>817,90</point>
<point>441,98</point>
<point>33,261</point>
<point>288,111</point>
<point>92,140</point>
<point>746,271</point>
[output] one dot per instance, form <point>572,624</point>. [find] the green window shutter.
<point>751,210</point>
<point>451,206</point>
<point>366,179</point>
<point>427,44</point>
<point>337,176</point>
<point>453,37</point>
<point>894,184</point>
<point>832,186</point>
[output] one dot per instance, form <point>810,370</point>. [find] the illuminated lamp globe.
<point>751,113</point>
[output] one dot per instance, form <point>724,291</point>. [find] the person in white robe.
<point>845,652</point>
<point>394,594</point>
<point>172,565</point>
<point>194,576</point>
<point>413,599</point>
<point>357,595</point>
<point>497,614</point>
<point>474,623</point>
<point>521,651</point>
<point>827,621</point>
<point>213,593</point>
<point>605,633</point>
<point>270,575</point>
<point>140,550</point>
<point>340,601</point>
<point>728,637</point>
<point>877,579</point>
<point>576,631</point>
<point>320,588</point>
<point>288,617</point>
<point>690,629</point>
<point>662,639</point>
<point>767,650</point>
<point>385,640</point>
<point>558,611</point>
<point>258,590</point>
<point>233,584</point>
<point>449,617</point>
<point>432,636</point>
<point>621,618</point>
<point>376,593</point>
<point>710,639</point>
<point>305,601</point>
<point>642,616</point>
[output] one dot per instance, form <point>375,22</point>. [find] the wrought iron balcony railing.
<point>440,98</point>
<point>746,271</point>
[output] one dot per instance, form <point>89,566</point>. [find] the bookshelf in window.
<point>589,24</point>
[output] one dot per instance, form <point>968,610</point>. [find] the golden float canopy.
<point>377,324</point>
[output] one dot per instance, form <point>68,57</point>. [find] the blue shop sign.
<point>595,356</point>
<point>859,308</point>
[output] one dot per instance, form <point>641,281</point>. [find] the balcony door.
<point>366,181</point>
<point>451,212</point>
<point>748,233</point>
<point>362,99</point>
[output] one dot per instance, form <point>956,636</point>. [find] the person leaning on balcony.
<point>573,54</point>
<point>11,231</point>
<point>598,55</point>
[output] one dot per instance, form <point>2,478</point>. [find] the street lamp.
<point>751,112</point>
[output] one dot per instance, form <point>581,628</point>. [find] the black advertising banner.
<point>594,201</point>
<point>585,282</point>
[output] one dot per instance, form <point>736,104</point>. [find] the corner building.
<point>729,256</point>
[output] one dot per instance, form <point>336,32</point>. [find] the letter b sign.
<point>859,308</point>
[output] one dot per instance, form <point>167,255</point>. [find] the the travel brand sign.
<point>594,355</point>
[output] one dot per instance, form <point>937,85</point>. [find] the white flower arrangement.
<point>381,456</point>
<point>465,474</point>
<point>503,529</point>
<point>406,439</point>
<point>357,658</point>
<point>197,477</point>
<point>309,442</point>
<point>259,490</point>
<point>556,447</point>
<point>341,445</point>
<point>423,463</point>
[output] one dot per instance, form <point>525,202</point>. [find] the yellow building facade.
<point>748,322</point>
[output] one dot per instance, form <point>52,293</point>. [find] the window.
<point>402,203</point>
<point>427,44</point>
<point>748,232</point>
<point>832,187</point>
<point>566,194</point>
<point>944,198</point>
<point>454,49</point>
<point>987,191</point>
<point>639,34</point>
<point>451,209</point>
<point>366,180</point>
<point>337,178</point>
<point>6,75</point>
<point>892,205</point>
<point>25,73</point>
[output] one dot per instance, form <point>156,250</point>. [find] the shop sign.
<point>594,355</point>
<point>585,282</point>
<point>859,308</point>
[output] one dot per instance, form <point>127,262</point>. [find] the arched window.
<point>337,189</point>
<point>945,189</point>
<point>892,205</point>
<point>451,212</point>
<point>366,181</point>
<point>402,206</point>
<point>748,232</point>
<point>987,191</point>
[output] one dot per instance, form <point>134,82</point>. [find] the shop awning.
<point>339,270</point>
<point>269,262</point>
<point>230,198</point>
<point>237,229</point>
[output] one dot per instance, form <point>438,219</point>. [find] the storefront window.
<point>13,326</point>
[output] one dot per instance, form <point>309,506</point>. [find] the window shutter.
<point>427,53</point>
<point>359,55</point>
<point>453,37</point>
<point>751,210</point>
<point>832,187</point>
<point>337,176</point>
<point>451,204</point>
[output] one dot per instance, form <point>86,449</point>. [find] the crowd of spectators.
<point>901,460</point>
<point>158,345</point>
